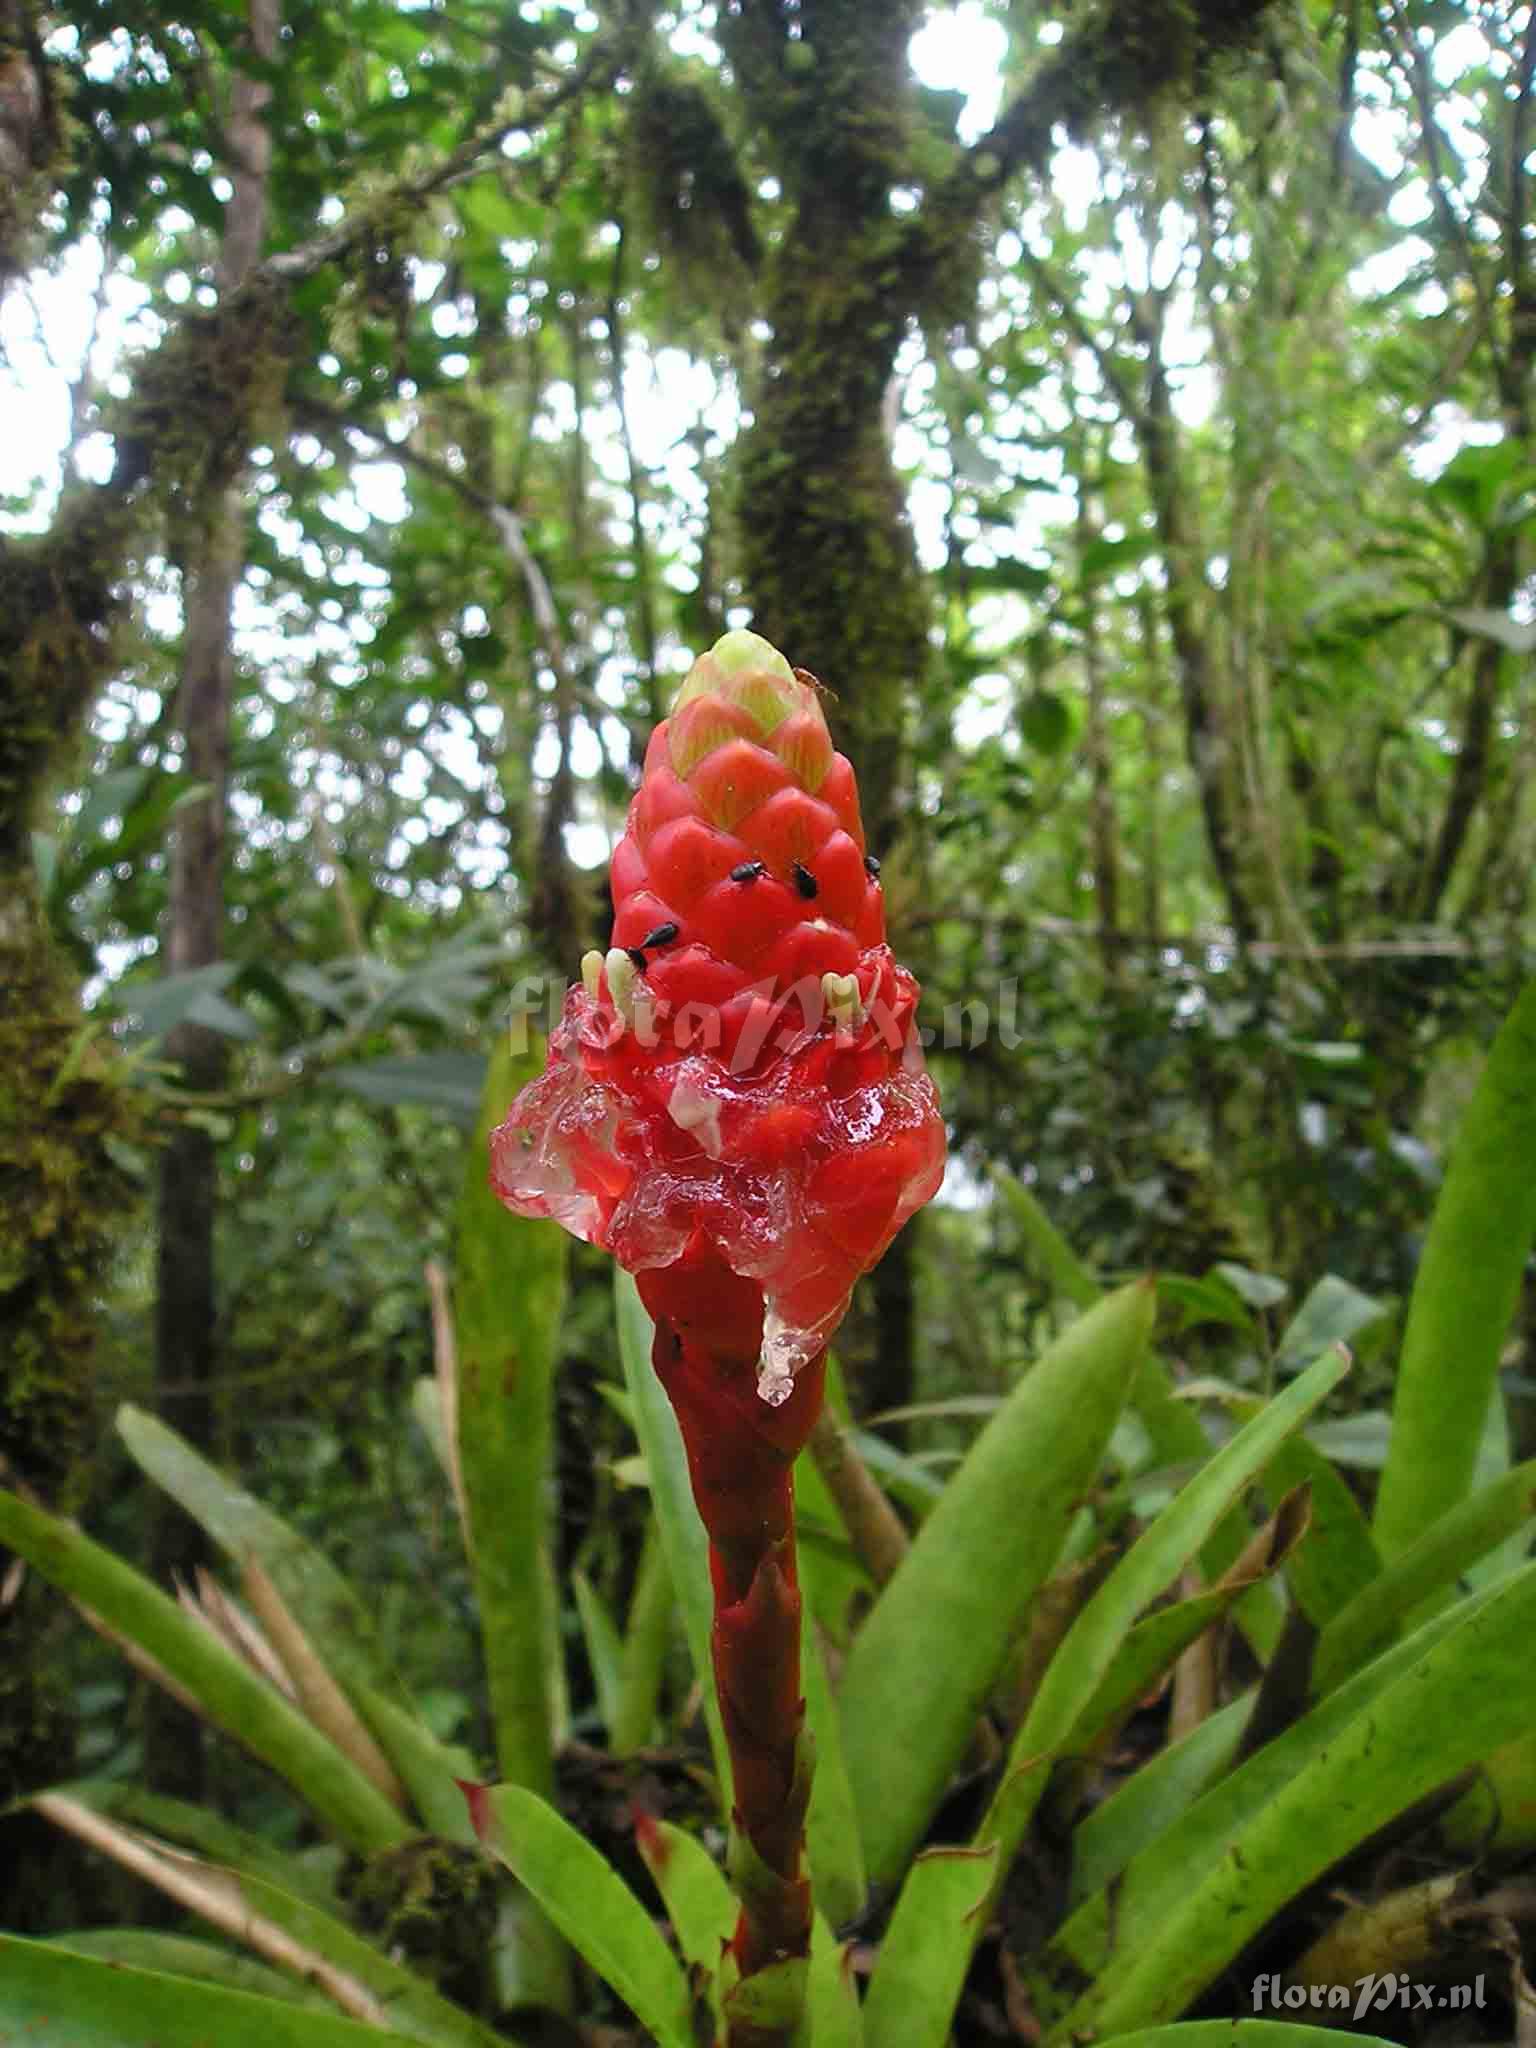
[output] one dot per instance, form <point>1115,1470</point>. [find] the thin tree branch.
<point>603,62</point>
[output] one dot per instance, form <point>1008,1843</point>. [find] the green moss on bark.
<point>435,1903</point>
<point>825,550</point>
<point>198,403</point>
<point>64,1192</point>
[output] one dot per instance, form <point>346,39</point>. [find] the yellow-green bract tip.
<point>748,672</point>
<point>733,651</point>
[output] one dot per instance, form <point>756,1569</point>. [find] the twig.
<point>874,1527</point>
<point>214,1893</point>
<point>292,266</point>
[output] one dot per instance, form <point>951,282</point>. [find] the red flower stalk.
<point>736,1107</point>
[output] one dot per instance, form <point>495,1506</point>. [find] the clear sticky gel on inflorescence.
<point>796,1174</point>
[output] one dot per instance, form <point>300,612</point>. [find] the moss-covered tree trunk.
<point>830,567</point>
<point>64,1193</point>
<point>831,572</point>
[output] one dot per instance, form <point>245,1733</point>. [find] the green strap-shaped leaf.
<point>317,1595</point>
<point>682,1533</point>
<point>1138,1893</point>
<point>51,1997</point>
<point>1336,1558</point>
<point>1244,2034</point>
<point>693,1887</point>
<point>1097,1637</point>
<point>203,1831</point>
<point>509,1290</point>
<point>1440,1555</point>
<point>239,1902</point>
<point>182,1955</point>
<point>1495,1457</point>
<point>643,1651</point>
<point>937,1637</point>
<point>834,1850</point>
<point>1149,1649</point>
<point>922,1943</point>
<point>1073,1280</point>
<point>833,2016</point>
<point>1173,1428</point>
<point>1465,1696</point>
<point>227,1689</point>
<point>430,1769</point>
<point>591,1905</point>
<point>913,1991</point>
<point>600,1639</point>
<point>1465,1292</point>
<point>1153,1798</point>
<point>320,1599</point>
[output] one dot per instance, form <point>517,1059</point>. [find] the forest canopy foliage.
<point>1126,411</point>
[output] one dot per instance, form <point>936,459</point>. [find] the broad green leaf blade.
<point>1148,1651</point>
<point>1495,1456</point>
<point>908,2002</point>
<point>1152,1799</point>
<point>1137,1893</point>
<point>1152,1645</point>
<point>593,1907</point>
<point>1172,1427</point>
<point>694,1890</point>
<point>834,1850</point>
<point>322,1601</point>
<point>1333,1313</point>
<point>938,1635</point>
<point>1056,1258</point>
<point>182,1955</point>
<point>509,1290</point>
<point>229,1692</point>
<point>1246,2034</point>
<point>51,1997</point>
<point>833,2016</point>
<point>1178,1438</point>
<point>682,1533</point>
<point>1336,1558</point>
<point>1464,1295</point>
<point>430,1769</point>
<point>1464,1697</point>
<point>941,1953</point>
<point>1442,1554</point>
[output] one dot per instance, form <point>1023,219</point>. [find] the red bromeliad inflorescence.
<point>736,1088</point>
<point>736,1106</point>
